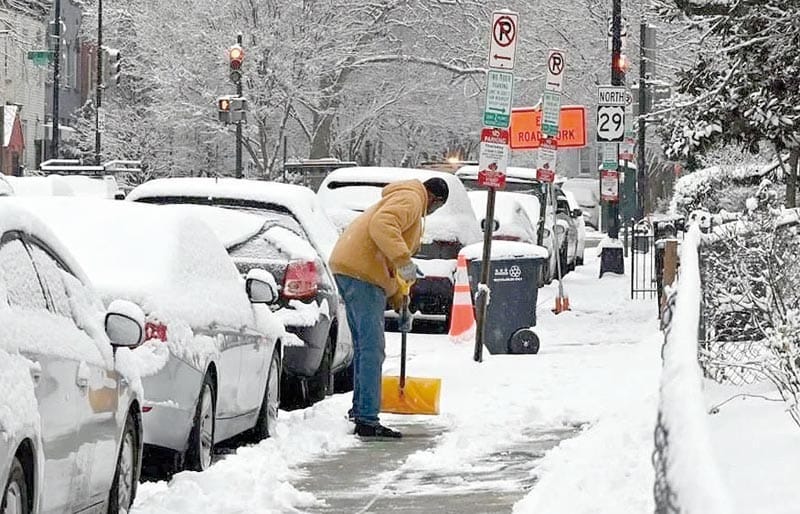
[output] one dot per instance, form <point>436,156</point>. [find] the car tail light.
<point>506,238</point>
<point>146,408</point>
<point>300,280</point>
<point>155,331</point>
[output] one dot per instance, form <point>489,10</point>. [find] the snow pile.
<point>692,469</point>
<point>454,221</point>
<point>300,314</point>
<point>19,411</point>
<point>230,226</point>
<point>257,478</point>
<point>291,244</point>
<point>61,185</point>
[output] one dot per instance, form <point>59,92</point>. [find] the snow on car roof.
<point>167,261</point>
<point>360,187</point>
<point>301,201</point>
<point>64,185</point>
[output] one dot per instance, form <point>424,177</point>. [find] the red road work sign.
<point>493,159</point>
<point>609,185</point>
<point>546,160</point>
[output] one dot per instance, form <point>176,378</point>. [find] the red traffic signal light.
<point>621,63</point>
<point>236,57</point>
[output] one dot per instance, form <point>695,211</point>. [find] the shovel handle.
<point>403,341</point>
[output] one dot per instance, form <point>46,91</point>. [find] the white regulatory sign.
<point>555,71</point>
<point>610,123</point>
<point>503,40</point>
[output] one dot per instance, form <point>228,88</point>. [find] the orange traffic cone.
<point>462,319</point>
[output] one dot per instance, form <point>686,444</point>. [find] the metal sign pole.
<point>482,296</point>
<point>239,123</point>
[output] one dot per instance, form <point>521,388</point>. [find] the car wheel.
<point>123,488</point>
<point>268,415</point>
<point>15,494</point>
<point>201,440</point>
<point>321,384</point>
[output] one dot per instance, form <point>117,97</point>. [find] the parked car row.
<point>191,353</point>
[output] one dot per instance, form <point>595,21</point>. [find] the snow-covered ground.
<point>597,370</point>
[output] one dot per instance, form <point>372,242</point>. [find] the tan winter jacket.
<point>384,237</point>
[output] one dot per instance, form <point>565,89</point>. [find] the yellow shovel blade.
<point>419,396</point>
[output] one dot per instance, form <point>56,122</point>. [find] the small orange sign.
<point>526,128</point>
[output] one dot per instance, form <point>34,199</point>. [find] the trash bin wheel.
<point>524,340</point>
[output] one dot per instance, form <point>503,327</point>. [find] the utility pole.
<point>98,93</point>
<point>56,78</point>
<point>617,79</point>
<point>239,123</point>
<point>641,176</point>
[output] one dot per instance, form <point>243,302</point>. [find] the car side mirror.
<point>496,224</point>
<point>577,213</point>
<point>261,286</point>
<point>124,324</point>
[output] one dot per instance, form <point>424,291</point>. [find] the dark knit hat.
<point>438,188</point>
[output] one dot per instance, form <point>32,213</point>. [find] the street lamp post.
<point>99,83</point>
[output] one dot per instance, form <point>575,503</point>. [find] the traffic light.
<point>235,60</point>
<point>112,66</point>
<point>621,64</point>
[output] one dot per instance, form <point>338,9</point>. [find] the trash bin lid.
<point>505,250</point>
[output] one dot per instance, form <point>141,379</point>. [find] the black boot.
<point>377,431</point>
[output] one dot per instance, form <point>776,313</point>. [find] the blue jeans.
<point>365,303</point>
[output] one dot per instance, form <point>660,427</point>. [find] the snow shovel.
<point>408,395</point>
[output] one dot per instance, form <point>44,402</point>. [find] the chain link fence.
<point>687,476</point>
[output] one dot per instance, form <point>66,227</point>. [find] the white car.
<point>347,192</point>
<point>70,401</point>
<point>323,364</point>
<point>580,223</point>
<point>211,360</point>
<point>552,234</point>
<point>516,218</point>
<point>586,192</point>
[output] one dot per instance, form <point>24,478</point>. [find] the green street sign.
<point>499,88</point>
<point>551,113</point>
<point>41,57</point>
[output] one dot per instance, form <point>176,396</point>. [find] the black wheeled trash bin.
<point>513,282</point>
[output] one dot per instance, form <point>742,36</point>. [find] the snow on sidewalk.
<point>757,447</point>
<point>598,369</point>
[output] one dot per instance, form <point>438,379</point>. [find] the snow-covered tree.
<point>744,87</point>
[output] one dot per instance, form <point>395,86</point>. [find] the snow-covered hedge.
<point>718,188</point>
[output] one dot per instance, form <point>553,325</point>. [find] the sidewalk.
<point>593,387</point>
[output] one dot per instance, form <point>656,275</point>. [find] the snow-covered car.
<point>211,360</point>
<point>306,284</point>
<point>523,180</point>
<point>70,403</point>
<point>5,187</point>
<point>66,185</point>
<point>580,225</point>
<point>347,192</point>
<point>574,226</point>
<point>587,193</point>
<point>516,218</point>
